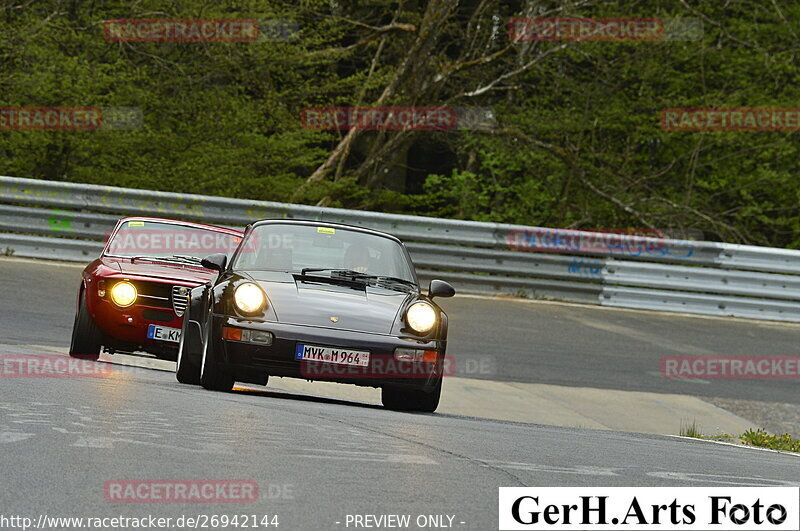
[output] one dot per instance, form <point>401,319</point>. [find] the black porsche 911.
<point>317,301</point>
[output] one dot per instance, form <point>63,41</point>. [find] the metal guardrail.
<point>68,221</point>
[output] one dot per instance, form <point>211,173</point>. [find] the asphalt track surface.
<point>495,339</point>
<point>318,460</point>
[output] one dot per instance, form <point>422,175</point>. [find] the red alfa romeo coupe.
<point>133,297</point>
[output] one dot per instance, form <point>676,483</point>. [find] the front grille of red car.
<point>180,299</point>
<point>154,294</point>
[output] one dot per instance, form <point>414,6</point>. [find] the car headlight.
<point>249,298</point>
<point>123,294</point>
<point>421,317</point>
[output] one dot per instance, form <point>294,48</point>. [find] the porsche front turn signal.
<point>123,294</point>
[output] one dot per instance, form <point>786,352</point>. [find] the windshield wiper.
<point>396,279</point>
<point>358,275</point>
<point>343,272</point>
<point>381,280</point>
<point>188,258</point>
<point>179,258</point>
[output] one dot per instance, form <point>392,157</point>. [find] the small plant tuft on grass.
<point>752,437</point>
<point>763,439</point>
<point>691,430</point>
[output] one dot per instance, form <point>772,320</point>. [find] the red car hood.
<point>161,270</point>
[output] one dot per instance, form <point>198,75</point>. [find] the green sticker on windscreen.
<point>136,223</point>
<point>326,230</point>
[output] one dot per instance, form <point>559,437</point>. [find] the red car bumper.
<point>127,327</point>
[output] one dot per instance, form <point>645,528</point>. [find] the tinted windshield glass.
<point>285,247</point>
<point>148,238</point>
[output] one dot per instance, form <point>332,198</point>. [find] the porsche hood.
<point>310,303</point>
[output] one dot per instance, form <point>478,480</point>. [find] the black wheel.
<point>212,377</point>
<point>187,371</point>
<point>87,339</point>
<point>411,399</point>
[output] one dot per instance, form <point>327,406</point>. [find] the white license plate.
<point>164,333</point>
<point>341,356</point>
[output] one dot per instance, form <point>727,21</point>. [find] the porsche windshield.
<point>142,238</point>
<point>286,247</point>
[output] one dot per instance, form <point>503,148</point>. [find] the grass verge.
<point>752,437</point>
<point>762,439</point>
<point>691,430</point>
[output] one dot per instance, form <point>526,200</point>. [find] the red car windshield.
<point>141,238</point>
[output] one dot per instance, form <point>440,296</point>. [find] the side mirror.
<point>440,288</point>
<point>216,262</point>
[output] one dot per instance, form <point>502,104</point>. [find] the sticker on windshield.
<point>326,230</point>
<point>136,223</point>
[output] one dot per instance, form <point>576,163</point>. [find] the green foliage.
<point>691,430</point>
<point>577,141</point>
<point>762,439</point>
<point>752,437</point>
<point>462,195</point>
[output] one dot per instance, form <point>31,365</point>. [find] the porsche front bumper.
<point>250,361</point>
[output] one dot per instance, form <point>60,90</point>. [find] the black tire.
<point>411,399</point>
<point>187,370</point>
<point>212,377</point>
<point>87,339</point>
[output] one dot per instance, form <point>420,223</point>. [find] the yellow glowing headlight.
<point>249,298</point>
<point>421,317</point>
<point>123,294</point>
